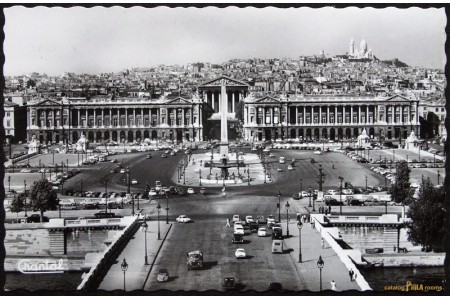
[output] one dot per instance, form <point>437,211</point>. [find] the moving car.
<point>356,202</point>
<point>333,202</point>
<point>262,232</point>
<point>236,218</point>
<point>238,229</point>
<point>148,156</point>
<point>183,219</point>
<point>134,181</point>
<point>270,220</point>
<point>164,155</point>
<point>203,191</point>
<point>163,275</point>
<point>238,239</point>
<point>317,152</point>
<point>229,283</point>
<point>296,196</point>
<point>122,171</point>
<point>290,168</point>
<point>240,253</point>
<point>190,191</point>
<point>248,219</point>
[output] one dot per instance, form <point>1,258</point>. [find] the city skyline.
<point>103,40</point>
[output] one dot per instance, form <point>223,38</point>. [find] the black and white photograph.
<point>224,150</point>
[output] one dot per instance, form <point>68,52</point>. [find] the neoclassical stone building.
<point>289,116</point>
<point>104,119</point>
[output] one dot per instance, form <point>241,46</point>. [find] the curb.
<point>154,259</point>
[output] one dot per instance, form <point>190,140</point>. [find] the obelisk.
<point>223,122</point>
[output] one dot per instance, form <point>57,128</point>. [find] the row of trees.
<point>427,211</point>
<point>42,198</point>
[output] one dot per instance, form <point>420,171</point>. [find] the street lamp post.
<point>366,182</point>
<point>200,177</point>
<point>144,227</point>
<point>299,226</point>
<point>9,183</point>
<point>301,187</point>
<point>287,218</point>
<point>129,191</point>
<point>248,175</point>
<point>124,267</point>
<point>309,192</point>
<point>320,265</point>
<point>158,209</point>
<point>340,195</point>
<point>25,193</point>
<point>393,154</point>
<point>279,206</point>
<point>438,176</point>
<point>59,208</point>
<point>106,192</point>
<point>167,209</point>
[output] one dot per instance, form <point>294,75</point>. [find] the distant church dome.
<point>363,46</point>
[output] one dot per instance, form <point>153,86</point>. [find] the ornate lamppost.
<point>340,194</point>
<point>287,206</point>
<point>124,267</point>
<point>200,177</point>
<point>25,193</point>
<point>279,206</point>
<point>320,264</point>
<point>167,209</point>
<point>158,209</point>
<point>310,194</point>
<point>144,227</point>
<point>299,226</point>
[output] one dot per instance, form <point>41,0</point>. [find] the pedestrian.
<point>350,273</point>
<point>329,209</point>
<point>323,243</point>
<point>333,285</point>
<point>326,211</point>
<point>228,222</point>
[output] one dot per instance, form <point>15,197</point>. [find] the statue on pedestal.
<point>33,145</point>
<point>81,145</point>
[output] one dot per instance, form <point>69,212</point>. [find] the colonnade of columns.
<point>214,98</point>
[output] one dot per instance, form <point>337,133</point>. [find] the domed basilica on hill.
<point>362,52</point>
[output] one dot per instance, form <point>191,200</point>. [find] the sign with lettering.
<point>41,266</point>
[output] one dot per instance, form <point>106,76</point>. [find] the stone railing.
<point>95,276</point>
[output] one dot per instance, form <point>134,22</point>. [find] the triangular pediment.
<point>397,98</point>
<point>49,102</point>
<point>268,99</point>
<point>224,79</point>
<point>179,100</point>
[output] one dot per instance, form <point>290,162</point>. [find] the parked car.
<point>296,196</point>
<point>163,275</point>
<point>36,218</point>
<point>333,202</point>
<point>240,253</point>
<point>203,191</point>
<point>236,218</point>
<point>104,214</point>
<point>190,191</point>
<point>183,219</point>
<point>134,181</point>
<point>355,202</point>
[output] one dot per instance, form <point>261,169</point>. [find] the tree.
<point>208,128</point>
<point>43,197</point>
<point>427,217</point>
<point>17,204</point>
<point>401,189</point>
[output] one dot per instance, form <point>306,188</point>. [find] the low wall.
<point>27,241</point>
<point>343,254</point>
<point>94,277</point>
<point>406,259</point>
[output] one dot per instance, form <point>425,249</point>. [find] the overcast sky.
<point>96,40</point>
